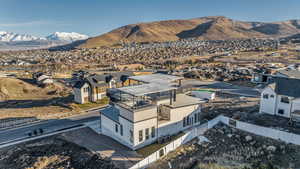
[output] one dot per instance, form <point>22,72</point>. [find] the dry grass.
<point>146,151</point>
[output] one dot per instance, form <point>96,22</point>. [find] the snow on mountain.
<point>57,36</point>
<point>65,36</point>
<point>14,37</point>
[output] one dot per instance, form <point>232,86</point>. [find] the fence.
<point>263,131</point>
<point>198,131</point>
<point>188,136</point>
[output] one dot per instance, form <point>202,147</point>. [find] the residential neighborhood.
<point>149,84</point>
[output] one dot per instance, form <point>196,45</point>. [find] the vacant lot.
<point>49,153</point>
<point>233,149</point>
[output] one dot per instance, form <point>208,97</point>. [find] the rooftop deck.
<point>156,78</point>
<point>184,100</point>
<point>144,89</point>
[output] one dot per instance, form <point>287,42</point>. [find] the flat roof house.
<point>150,109</point>
<point>281,98</point>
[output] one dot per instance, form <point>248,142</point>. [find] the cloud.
<point>22,24</point>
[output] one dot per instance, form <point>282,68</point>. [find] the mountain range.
<point>15,41</point>
<point>205,28</point>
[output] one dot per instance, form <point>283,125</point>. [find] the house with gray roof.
<point>93,87</point>
<point>282,98</point>
<point>149,110</point>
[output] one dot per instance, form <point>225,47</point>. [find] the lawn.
<point>148,150</point>
<point>90,105</point>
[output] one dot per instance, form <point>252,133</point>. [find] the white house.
<point>281,98</point>
<point>141,114</point>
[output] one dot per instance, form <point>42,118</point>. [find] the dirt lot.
<point>49,153</point>
<point>233,149</point>
<point>22,98</point>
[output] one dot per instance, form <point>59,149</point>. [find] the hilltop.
<point>205,28</point>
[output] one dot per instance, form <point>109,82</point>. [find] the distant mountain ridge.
<point>15,41</point>
<point>206,28</point>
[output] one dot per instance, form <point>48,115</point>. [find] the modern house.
<point>281,98</point>
<point>42,79</point>
<point>93,88</point>
<point>148,111</point>
<point>264,78</point>
<point>289,73</point>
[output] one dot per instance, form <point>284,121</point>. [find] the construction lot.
<point>77,149</point>
<point>49,153</point>
<point>229,148</point>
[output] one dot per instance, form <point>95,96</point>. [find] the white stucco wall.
<point>143,126</point>
<point>79,95</point>
<point>296,105</point>
<point>175,124</point>
<point>108,128</point>
<point>268,105</point>
<point>284,106</point>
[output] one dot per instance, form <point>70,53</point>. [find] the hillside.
<point>206,28</point>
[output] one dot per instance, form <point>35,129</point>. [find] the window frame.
<point>153,132</point>
<point>147,136</point>
<point>116,128</point>
<point>266,96</point>
<point>121,129</point>
<point>141,137</point>
<point>283,99</point>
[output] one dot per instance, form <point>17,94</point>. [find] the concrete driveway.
<point>121,156</point>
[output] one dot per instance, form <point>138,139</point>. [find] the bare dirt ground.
<point>22,99</point>
<point>51,153</point>
<point>247,110</point>
<point>233,149</point>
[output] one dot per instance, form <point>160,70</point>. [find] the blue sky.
<point>94,17</point>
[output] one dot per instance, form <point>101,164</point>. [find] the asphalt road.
<point>223,86</point>
<point>47,126</point>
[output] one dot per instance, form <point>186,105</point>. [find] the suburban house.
<point>289,73</point>
<point>148,110</point>
<point>282,98</point>
<point>265,78</point>
<point>93,88</point>
<point>42,79</point>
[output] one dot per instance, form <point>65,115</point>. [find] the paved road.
<point>48,126</point>
<point>226,87</point>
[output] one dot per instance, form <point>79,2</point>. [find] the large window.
<point>131,136</point>
<point>153,132</point>
<point>140,135</point>
<point>266,96</point>
<point>199,117</point>
<point>116,128</point>
<point>285,100</point>
<point>86,89</point>
<point>121,129</point>
<point>280,111</point>
<point>184,123</point>
<point>147,133</point>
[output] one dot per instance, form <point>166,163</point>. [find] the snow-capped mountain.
<point>15,41</point>
<point>14,37</point>
<point>65,36</point>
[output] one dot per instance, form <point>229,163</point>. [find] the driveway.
<point>121,156</point>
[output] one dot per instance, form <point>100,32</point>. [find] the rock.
<point>229,135</point>
<point>248,138</point>
<point>252,143</point>
<point>271,148</point>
